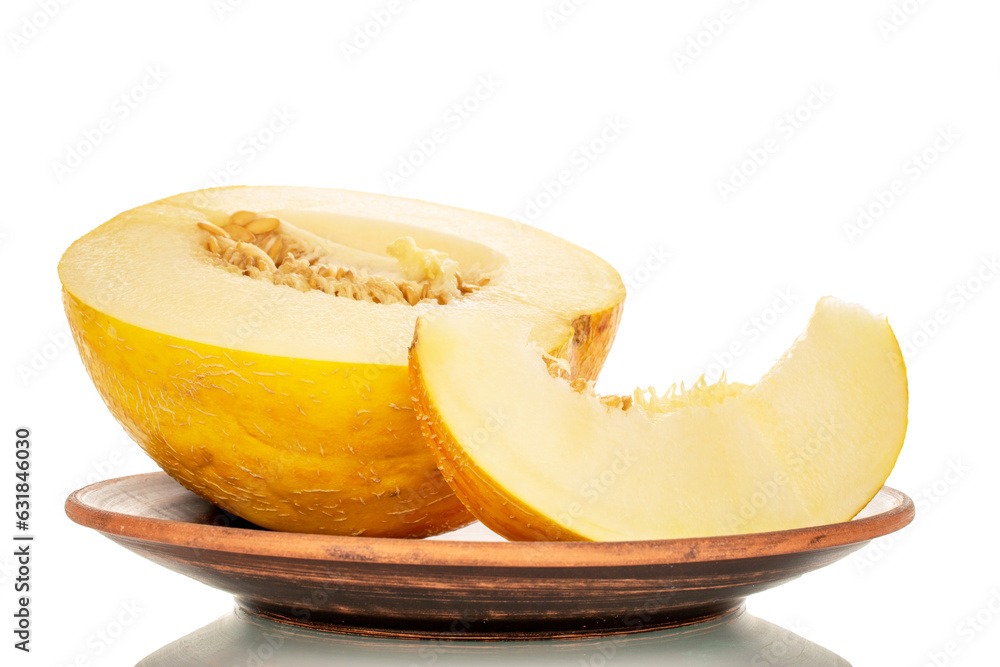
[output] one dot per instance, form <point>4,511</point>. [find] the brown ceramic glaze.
<point>450,588</point>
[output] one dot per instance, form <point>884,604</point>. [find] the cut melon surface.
<point>253,341</point>
<point>537,457</point>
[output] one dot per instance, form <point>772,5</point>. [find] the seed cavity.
<point>267,248</point>
<point>701,393</point>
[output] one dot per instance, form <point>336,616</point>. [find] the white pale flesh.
<point>148,267</point>
<point>810,444</point>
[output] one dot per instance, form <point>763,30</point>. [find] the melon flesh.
<point>536,457</point>
<point>277,397</point>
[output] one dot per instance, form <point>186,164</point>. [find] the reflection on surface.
<point>240,640</point>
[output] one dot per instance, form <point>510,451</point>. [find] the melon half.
<point>537,455</point>
<point>253,340</point>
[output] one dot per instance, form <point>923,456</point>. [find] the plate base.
<point>494,628</point>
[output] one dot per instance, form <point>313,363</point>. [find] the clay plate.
<point>464,589</point>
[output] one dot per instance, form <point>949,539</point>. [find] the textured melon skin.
<point>289,444</point>
<point>588,349</point>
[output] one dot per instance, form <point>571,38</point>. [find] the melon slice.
<point>253,341</point>
<point>537,455</point>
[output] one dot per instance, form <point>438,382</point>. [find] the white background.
<point>892,79</point>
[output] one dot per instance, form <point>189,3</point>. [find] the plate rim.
<point>449,553</point>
